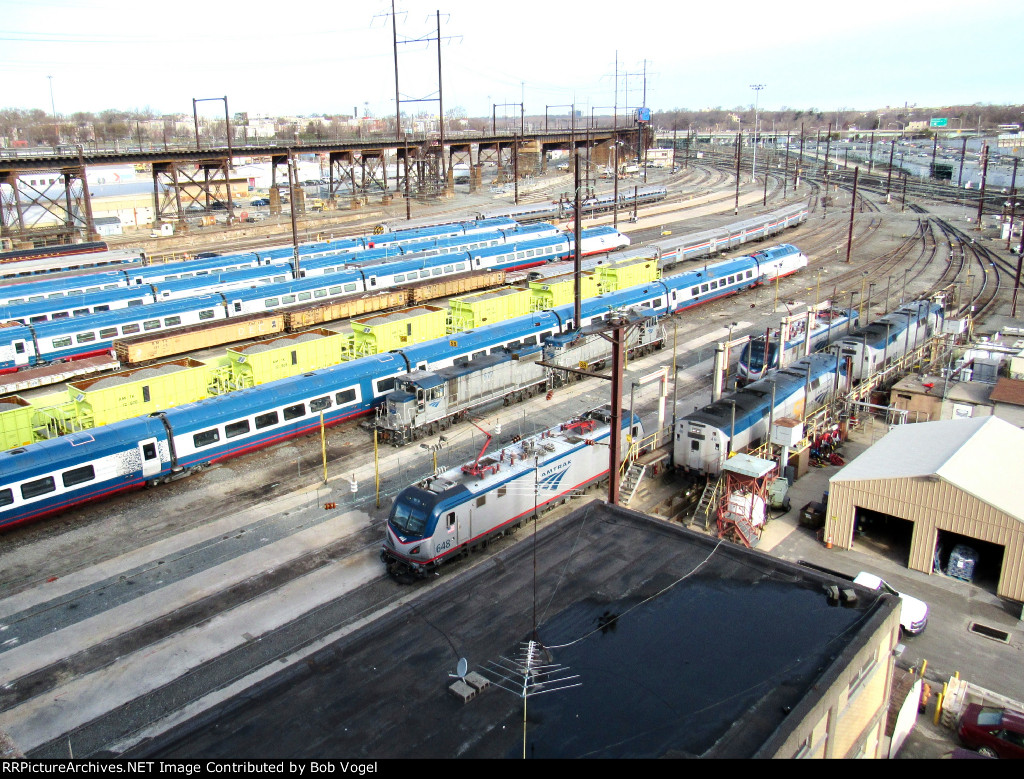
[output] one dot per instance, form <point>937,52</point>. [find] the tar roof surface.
<point>712,645</point>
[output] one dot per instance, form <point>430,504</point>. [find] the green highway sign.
<point>938,122</point>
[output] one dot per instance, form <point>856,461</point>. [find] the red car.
<point>994,732</point>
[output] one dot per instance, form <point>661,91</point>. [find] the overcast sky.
<point>305,58</point>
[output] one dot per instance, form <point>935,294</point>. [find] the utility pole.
<point>888,181</point>
<point>871,154</point>
<point>853,208</point>
<point>440,102</point>
<point>1013,202</point>
<point>757,93</point>
<point>398,103</point>
<point>739,145</point>
<point>577,266</point>
<point>960,175</point>
<point>984,175</point>
<point>292,177</point>
<point>785,172</point>
<point>800,160</point>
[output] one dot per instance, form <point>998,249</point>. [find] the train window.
<point>385,385</point>
<point>319,404</point>
<point>514,344</point>
<point>172,321</point>
<point>271,302</point>
<point>40,318</point>
<point>294,412</point>
<point>399,277</point>
<point>460,267</point>
<point>238,307</point>
<point>657,302</point>
<point>350,287</point>
<point>136,302</point>
<point>92,289</point>
<point>335,290</point>
<point>6,497</point>
<point>61,343</point>
<point>714,285</point>
<point>19,348</point>
<point>33,489</point>
<point>280,279</point>
<point>496,350</point>
<point>129,329</point>
<point>449,268</point>
<point>501,491</point>
<point>236,429</point>
<point>84,338</point>
<point>450,519</point>
<point>35,298</point>
<point>344,397</point>
<point>437,271</point>
<point>108,332</point>
<point>78,475</point>
<point>286,299</point>
<point>478,262</point>
<point>320,293</point>
<point>206,438</point>
<point>530,341</point>
<point>266,420</point>
<point>481,501</point>
<point>545,335</point>
<point>305,295</point>
<point>98,309</point>
<point>424,274</point>
<point>152,324</point>
<point>703,287</point>
<point>750,274</point>
<point>478,355</point>
<point>80,312</point>
<point>207,314</point>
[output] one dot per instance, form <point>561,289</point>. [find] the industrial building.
<point>671,644</point>
<point>926,488</point>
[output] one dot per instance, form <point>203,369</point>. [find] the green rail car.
<point>394,330</point>
<point>141,391</point>
<point>561,290</point>
<point>486,308</point>
<point>287,356</point>
<point>16,415</point>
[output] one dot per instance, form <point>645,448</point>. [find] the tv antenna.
<point>530,673</point>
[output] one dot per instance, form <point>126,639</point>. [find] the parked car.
<point>994,732</point>
<point>913,612</point>
<point>216,205</point>
<point>260,201</point>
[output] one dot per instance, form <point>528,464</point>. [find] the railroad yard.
<point>145,624</point>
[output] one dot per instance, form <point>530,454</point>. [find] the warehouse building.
<point>928,490</point>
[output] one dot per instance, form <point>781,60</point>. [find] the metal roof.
<point>975,455</point>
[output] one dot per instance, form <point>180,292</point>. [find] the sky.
<point>271,58</point>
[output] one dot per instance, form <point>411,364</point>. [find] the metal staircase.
<point>708,503</point>
<point>738,528</point>
<point>631,482</point>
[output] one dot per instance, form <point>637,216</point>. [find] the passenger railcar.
<point>452,513</point>
<point>705,438</point>
<point>563,209</point>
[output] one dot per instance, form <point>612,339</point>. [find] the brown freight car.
<point>143,348</point>
<point>454,285</point>
<point>342,308</point>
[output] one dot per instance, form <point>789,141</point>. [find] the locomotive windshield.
<point>409,516</point>
<point>754,355</point>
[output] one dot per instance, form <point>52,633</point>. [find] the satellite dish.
<point>461,669</point>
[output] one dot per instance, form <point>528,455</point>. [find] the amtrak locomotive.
<point>762,353</point>
<point>449,514</point>
<point>704,438</point>
<point>50,476</point>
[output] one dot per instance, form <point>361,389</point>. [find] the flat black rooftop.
<point>715,651</point>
